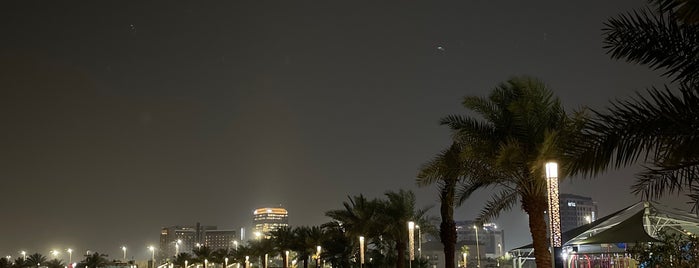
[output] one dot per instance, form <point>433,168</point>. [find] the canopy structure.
<point>640,222</point>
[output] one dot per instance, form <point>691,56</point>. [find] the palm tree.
<point>20,263</point>
<point>5,263</point>
<point>395,213</point>
<point>260,248</point>
<point>521,126</point>
<point>94,260</point>
<point>338,247</point>
<point>219,256</point>
<point>241,252</point>
<point>445,170</point>
<point>282,240</point>
<point>181,258</point>
<point>36,259</point>
<point>660,128</point>
<point>202,254</point>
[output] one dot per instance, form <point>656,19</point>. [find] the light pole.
<point>411,242</point>
<point>247,261</point>
<point>235,244</point>
<point>478,249</point>
<point>361,251</point>
<point>123,248</point>
<point>286,260</point>
<point>554,212</point>
<point>152,255</point>
<point>177,247</point>
<point>419,241</point>
<point>185,263</point>
<point>318,259</point>
<point>70,255</point>
<point>465,254</point>
<point>24,255</point>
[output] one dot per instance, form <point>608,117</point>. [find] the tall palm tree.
<point>445,169</point>
<point>20,263</point>
<point>36,259</point>
<point>660,129</point>
<point>521,125</point>
<point>282,241</point>
<point>241,252</point>
<point>181,258</point>
<point>338,247</point>
<point>202,254</point>
<point>219,256</point>
<point>5,263</point>
<point>94,260</point>
<point>395,213</point>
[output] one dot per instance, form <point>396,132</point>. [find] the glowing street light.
<point>177,246</point>
<point>554,211</point>
<point>152,252</point>
<point>54,253</point>
<point>478,249</point>
<point>235,244</point>
<point>361,251</point>
<point>411,244</point>
<point>419,241</point>
<point>123,248</point>
<point>247,261</point>
<point>465,254</point>
<point>70,255</point>
<point>286,260</point>
<point>318,259</point>
<point>24,255</point>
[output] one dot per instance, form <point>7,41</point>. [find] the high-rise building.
<point>491,240</point>
<point>181,239</point>
<point>576,211</point>
<point>269,219</point>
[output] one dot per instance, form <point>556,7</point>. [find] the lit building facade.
<point>181,239</point>
<point>269,219</point>
<point>576,210</point>
<point>491,240</point>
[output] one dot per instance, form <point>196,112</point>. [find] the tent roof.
<point>639,222</point>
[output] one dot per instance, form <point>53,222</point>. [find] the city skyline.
<point>123,118</point>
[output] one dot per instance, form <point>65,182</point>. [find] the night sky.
<point>118,118</point>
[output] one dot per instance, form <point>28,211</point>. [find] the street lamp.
<point>24,255</point>
<point>152,252</point>
<point>554,212</point>
<point>478,249</point>
<point>318,259</point>
<point>419,241</point>
<point>361,251</point>
<point>185,263</point>
<point>411,244</point>
<point>123,248</point>
<point>226,261</point>
<point>54,253</point>
<point>177,247</point>
<point>235,244</point>
<point>247,261</point>
<point>70,255</point>
<point>465,254</point>
<point>286,260</point>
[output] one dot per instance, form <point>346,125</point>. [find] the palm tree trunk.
<point>447,228</point>
<point>400,260</point>
<point>535,208</point>
<point>284,260</point>
<point>305,262</point>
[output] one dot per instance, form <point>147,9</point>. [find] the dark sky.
<point>119,118</point>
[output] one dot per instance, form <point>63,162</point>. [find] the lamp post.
<point>247,261</point>
<point>123,248</point>
<point>70,255</point>
<point>478,249</point>
<point>24,255</point>
<point>286,260</point>
<point>361,251</point>
<point>419,242</point>
<point>411,242</point>
<point>226,261</point>
<point>554,212</point>
<point>318,259</point>
<point>465,254</point>
<point>185,263</point>
<point>235,244</point>
<point>152,257</point>
<point>177,247</point>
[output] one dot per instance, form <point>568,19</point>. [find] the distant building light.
<point>571,204</point>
